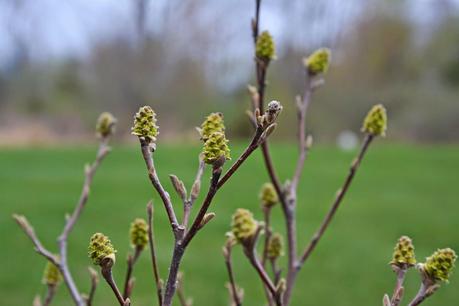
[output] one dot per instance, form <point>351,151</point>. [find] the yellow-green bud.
<point>268,195</point>
<point>318,61</point>
<point>275,246</point>
<point>100,248</point>
<point>105,124</point>
<point>265,48</point>
<point>139,233</point>
<point>375,122</point>
<point>243,225</point>
<point>404,253</point>
<point>51,276</point>
<point>439,266</point>
<point>145,124</point>
<point>215,147</point>
<point>213,123</point>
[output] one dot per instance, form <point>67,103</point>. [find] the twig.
<point>250,252</point>
<point>50,293</point>
<point>106,271</point>
<point>195,189</point>
<point>339,197</point>
<point>184,301</point>
<point>234,292</point>
<point>131,260</point>
<point>94,283</point>
<point>426,290</point>
<point>398,291</point>
<point>154,260</point>
<point>268,232</point>
<point>148,157</point>
<point>30,232</point>
<point>104,149</point>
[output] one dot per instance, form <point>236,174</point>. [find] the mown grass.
<point>399,190</point>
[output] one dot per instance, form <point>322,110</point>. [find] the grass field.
<point>410,190</point>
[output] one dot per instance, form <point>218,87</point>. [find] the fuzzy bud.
<point>375,122</point>
<point>270,116</point>
<point>105,125</point>
<point>439,266</point>
<point>145,124</point>
<point>318,61</point>
<point>51,276</point>
<point>101,248</point>
<point>275,246</point>
<point>268,195</point>
<point>138,233</point>
<point>213,123</point>
<point>243,225</point>
<point>403,253</point>
<point>215,148</point>
<point>265,49</point>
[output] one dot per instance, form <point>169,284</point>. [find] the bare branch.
<point>154,260</point>
<point>235,292</point>
<point>106,270</point>
<point>50,293</point>
<point>30,232</point>
<point>128,283</point>
<point>339,197</point>
<point>94,283</point>
<point>148,157</point>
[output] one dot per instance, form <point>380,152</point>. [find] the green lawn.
<point>399,190</point>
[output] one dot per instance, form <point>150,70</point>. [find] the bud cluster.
<point>268,195</point>
<point>439,266</point>
<point>404,253</point>
<point>105,125</point>
<point>51,276</point>
<point>145,124</point>
<point>375,122</point>
<point>318,61</point>
<point>138,233</point>
<point>100,248</point>
<point>243,225</point>
<point>213,123</point>
<point>265,49</point>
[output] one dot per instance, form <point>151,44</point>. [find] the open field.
<point>399,190</point>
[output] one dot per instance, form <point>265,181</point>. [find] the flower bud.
<point>213,123</point>
<point>100,248</point>
<point>375,122</point>
<point>268,195</point>
<point>105,125</point>
<point>275,246</point>
<point>145,124</point>
<point>215,148</point>
<point>138,233</point>
<point>270,116</point>
<point>243,225</point>
<point>439,266</point>
<point>265,48</point>
<point>318,61</point>
<point>403,253</point>
<point>51,276</point>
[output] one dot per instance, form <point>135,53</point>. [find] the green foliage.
<point>268,195</point>
<point>375,122</point>
<point>440,265</point>
<point>100,248</point>
<point>265,48</point>
<point>138,233</point>
<point>216,147</point>
<point>145,124</point>
<point>404,253</point>
<point>243,225</point>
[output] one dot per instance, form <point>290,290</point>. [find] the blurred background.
<point>64,62</point>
